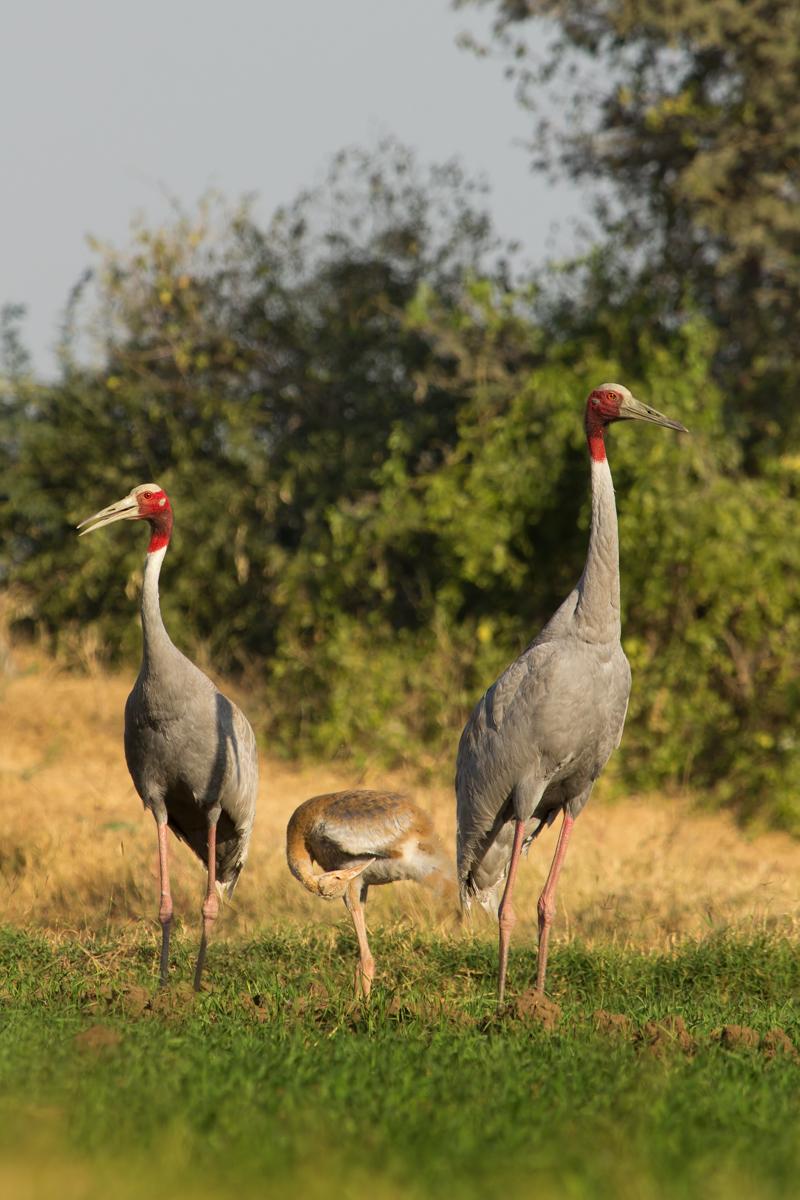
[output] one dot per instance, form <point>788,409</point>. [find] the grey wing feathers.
<point>192,754</point>
<point>535,742</point>
<point>221,771</point>
<point>242,775</point>
<point>499,699</point>
<point>238,800</point>
<point>502,768</point>
<point>622,713</point>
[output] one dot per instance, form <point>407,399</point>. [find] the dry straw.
<point>78,853</point>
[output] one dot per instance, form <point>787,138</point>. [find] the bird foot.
<point>365,973</point>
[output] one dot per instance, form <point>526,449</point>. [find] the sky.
<point>110,107</point>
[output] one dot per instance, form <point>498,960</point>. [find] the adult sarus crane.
<point>190,751</point>
<point>360,838</point>
<point>540,736</point>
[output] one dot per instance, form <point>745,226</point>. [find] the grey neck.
<point>597,616</point>
<point>155,639</point>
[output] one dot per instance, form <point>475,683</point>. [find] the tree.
<point>685,119</point>
<point>255,372</point>
<point>374,447</point>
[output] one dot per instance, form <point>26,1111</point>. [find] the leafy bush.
<point>374,445</point>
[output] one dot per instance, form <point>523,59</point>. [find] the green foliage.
<point>683,118</point>
<point>254,373</point>
<point>374,446</point>
<point>423,1093</point>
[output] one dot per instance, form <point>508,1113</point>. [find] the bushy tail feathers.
<point>226,887</point>
<point>488,898</point>
<point>231,856</point>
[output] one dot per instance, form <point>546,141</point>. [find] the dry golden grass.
<point>78,852</point>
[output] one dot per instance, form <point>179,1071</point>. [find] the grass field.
<point>273,1082</point>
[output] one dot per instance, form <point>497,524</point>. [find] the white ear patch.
<point>162,502</point>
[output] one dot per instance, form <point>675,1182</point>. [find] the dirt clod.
<point>402,1009</point>
<point>172,1001</point>
<point>612,1024</point>
<point>776,1043</point>
<point>257,1006</point>
<point>96,1002</point>
<point>314,1003</point>
<point>135,999</point>
<point>534,1006</point>
<point>738,1037</point>
<point>666,1036</point>
<point>97,1039</point>
<point>455,1015</point>
<point>434,1011</point>
<point>397,1009</point>
<point>318,992</point>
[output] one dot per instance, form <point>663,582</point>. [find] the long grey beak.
<point>126,509</point>
<point>633,410</point>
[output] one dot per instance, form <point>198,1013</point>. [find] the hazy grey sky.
<point>108,106</point>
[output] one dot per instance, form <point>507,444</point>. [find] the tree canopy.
<point>684,119</point>
<point>372,439</point>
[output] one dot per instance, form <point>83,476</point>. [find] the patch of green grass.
<point>275,1082</point>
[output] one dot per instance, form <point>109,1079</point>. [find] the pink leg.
<point>546,905</point>
<point>210,905</point>
<point>165,908</point>
<point>365,971</point>
<point>506,917</point>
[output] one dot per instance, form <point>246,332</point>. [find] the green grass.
<point>425,1092</point>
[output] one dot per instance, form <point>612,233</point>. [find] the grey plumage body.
<point>533,747</point>
<point>539,737</point>
<point>190,751</point>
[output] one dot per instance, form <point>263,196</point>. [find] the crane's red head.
<point>613,402</point>
<point>147,502</point>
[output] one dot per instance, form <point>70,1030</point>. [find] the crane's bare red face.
<point>147,502</point>
<point>152,501</point>
<point>604,404</point>
<point>613,402</point>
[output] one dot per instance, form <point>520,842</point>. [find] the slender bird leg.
<point>210,904</point>
<point>506,917</point>
<point>365,971</point>
<point>165,908</point>
<point>546,905</point>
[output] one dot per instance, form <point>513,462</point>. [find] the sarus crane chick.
<point>360,838</point>
<point>190,751</point>
<point>540,736</point>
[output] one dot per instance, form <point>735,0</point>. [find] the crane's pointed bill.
<point>631,409</point>
<point>121,510</point>
<point>333,884</point>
